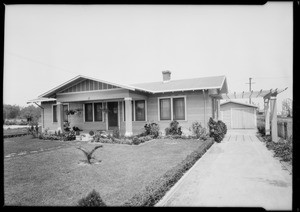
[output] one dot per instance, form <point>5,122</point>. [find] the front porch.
<point>98,115</point>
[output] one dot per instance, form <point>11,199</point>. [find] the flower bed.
<point>283,149</point>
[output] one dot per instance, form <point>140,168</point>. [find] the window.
<point>65,109</point>
<point>165,109</point>
<point>172,108</point>
<point>140,110</point>
<point>178,109</point>
<point>88,112</point>
<point>98,111</point>
<point>131,111</point>
<point>54,113</point>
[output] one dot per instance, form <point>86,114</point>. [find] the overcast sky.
<point>46,45</point>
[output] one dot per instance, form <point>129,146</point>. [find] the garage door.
<point>242,118</point>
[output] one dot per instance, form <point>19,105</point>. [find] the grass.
<point>58,178</point>
<point>27,144</point>
<point>8,132</point>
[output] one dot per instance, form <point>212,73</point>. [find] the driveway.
<point>238,172</point>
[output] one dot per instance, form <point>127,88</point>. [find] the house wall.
<point>226,112</point>
<point>194,111</point>
<point>48,120</point>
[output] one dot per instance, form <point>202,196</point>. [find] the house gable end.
<point>88,85</point>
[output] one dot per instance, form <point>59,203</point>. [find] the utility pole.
<point>250,88</point>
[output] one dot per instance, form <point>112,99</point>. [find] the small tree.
<point>89,154</point>
<point>287,107</point>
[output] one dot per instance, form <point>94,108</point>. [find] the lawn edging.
<point>157,189</point>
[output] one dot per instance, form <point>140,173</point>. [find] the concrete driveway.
<point>238,172</point>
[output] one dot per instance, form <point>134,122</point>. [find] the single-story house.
<point>102,105</point>
<point>238,115</point>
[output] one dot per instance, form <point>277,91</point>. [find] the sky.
<point>47,45</point>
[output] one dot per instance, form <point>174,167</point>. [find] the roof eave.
<point>54,90</point>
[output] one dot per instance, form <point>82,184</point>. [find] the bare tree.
<point>88,154</point>
<point>287,107</point>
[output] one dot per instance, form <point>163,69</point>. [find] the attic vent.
<point>166,76</point>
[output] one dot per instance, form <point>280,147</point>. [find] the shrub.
<point>283,150</point>
<point>34,131</point>
<point>116,133</point>
<point>67,126</point>
<point>174,129</point>
<point>91,133</point>
<point>136,140</point>
<point>261,129</point>
<point>69,136</point>
<point>217,130</point>
<point>198,130</point>
<point>151,129</point>
<point>91,200</point>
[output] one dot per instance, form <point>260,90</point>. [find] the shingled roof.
<point>216,82</point>
<point>204,83</point>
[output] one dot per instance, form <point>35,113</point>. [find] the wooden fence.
<point>285,128</point>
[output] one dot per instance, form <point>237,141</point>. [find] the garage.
<point>237,115</point>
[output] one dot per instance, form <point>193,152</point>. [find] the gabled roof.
<point>217,82</point>
<point>78,79</point>
<point>240,103</point>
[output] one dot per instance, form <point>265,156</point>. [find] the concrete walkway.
<point>238,172</point>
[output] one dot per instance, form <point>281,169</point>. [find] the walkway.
<point>238,172</point>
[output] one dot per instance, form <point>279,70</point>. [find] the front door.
<point>112,115</point>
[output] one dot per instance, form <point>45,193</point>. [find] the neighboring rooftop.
<point>241,103</point>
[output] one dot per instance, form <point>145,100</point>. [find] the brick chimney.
<point>166,76</point>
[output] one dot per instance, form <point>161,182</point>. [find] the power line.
<point>42,63</point>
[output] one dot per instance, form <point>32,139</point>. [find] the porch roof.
<point>41,99</point>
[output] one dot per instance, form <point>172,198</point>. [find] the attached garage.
<point>237,115</point>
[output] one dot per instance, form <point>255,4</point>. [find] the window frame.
<point>134,111</point>
<point>171,109</point>
<point>102,114</point>
<point>66,104</point>
<point>184,103</point>
<point>145,110</point>
<point>84,112</point>
<point>172,112</point>
<point>53,114</point>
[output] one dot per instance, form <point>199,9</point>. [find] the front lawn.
<point>27,144</point>
<point>59,178</point>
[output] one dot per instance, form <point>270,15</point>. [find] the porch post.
<point>60,117</point>
<point>267,117</point>
<point>274,119</point>
<point>218,109</point>
<point>128,116</point>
